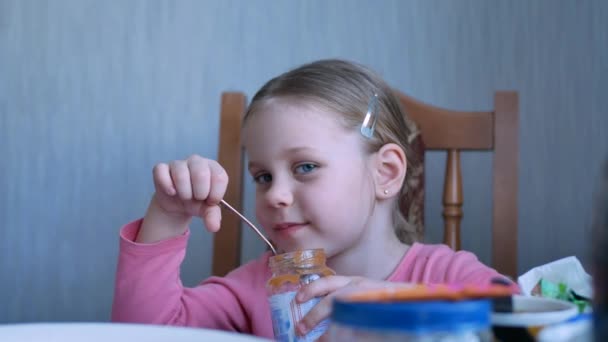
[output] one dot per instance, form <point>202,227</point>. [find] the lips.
<point>289,226</point>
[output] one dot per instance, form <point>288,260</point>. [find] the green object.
<point>561,291</point>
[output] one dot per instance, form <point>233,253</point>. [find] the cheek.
<point>353,189</point>
<point>343,198</point>
<point>260,213</point>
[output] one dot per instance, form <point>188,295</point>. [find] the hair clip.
<point>369,122</point>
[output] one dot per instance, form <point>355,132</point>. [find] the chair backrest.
<point>227,242</point>
<point>496,130</point>
<point>441,129</point>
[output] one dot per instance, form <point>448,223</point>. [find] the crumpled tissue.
<point>567,271</point>
<point>563,279</point>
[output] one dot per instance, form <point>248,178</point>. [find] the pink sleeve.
<point>438,264</point>
<point>148,288</point>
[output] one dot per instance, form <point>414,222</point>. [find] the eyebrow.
<point>300,149</point>
<point>291,150</point>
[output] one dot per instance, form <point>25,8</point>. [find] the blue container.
<point>467,320</point>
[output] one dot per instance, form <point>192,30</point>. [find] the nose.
<point>279,195</point>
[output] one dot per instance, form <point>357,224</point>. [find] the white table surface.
<point>113,332</point>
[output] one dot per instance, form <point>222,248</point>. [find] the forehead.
<point>281,123</point>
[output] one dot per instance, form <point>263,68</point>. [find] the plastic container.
<point>289,272</point>
<point>454,321</point>
<point>529,315</point>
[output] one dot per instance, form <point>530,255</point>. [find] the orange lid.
<point>418,292</point>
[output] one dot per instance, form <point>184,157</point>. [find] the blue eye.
<point>305,168</point>
<point>263,178</point>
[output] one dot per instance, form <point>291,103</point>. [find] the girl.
<point>320,183</point>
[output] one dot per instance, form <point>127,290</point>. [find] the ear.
<point>389,171</point>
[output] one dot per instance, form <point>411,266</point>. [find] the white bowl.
<point>580,330</point>
<point>534,311</point>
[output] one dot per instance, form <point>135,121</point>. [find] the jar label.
<point>286,313</point>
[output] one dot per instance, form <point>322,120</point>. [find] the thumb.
<point>212,216</point>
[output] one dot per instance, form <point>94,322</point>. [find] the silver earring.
<point>385,192</point>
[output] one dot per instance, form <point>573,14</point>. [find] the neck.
<point>377,253</point>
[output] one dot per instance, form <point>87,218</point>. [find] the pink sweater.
<point>149,290</point>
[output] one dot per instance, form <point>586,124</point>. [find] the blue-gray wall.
<point>94,93</point>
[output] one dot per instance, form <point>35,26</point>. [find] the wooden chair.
<point>441,129</point>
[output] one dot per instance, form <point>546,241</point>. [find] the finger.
<point>181,179</point>
<point>162,179</point>
<point>219,183</point>
<point>200,177</point>
<point>322,287</point>
<point>316,315</point>
<point>212,216</point>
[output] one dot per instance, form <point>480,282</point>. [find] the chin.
<point>290,247</point>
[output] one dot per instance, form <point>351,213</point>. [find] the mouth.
<point>289,227</point>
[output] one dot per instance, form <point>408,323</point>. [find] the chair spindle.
<point>452,200</point>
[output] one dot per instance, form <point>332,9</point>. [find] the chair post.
<point>505,179</point>
<point>452,200</point>
<point>227,242</point>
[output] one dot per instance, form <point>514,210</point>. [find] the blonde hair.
<point>345,88</point>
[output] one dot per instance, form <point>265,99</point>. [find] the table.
<point>114,332</point>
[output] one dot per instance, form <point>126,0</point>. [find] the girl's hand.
<point>184,188</point>
<point>329,287</point>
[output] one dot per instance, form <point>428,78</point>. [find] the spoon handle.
<point>225,204</point>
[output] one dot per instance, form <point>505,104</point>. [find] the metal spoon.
<point>225,204</point>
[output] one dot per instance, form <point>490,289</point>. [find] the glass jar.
<point>289,272</point>
<point>415,321</point>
